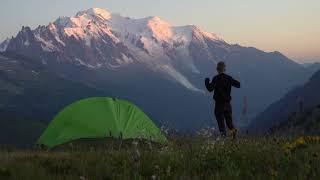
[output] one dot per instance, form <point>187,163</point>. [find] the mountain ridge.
<point>152,35</point>
<point>298,99</point>
<point>133,58</point>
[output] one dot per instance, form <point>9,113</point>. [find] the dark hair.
<point>221,67</point>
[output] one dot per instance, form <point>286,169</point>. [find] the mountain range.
<point>297,100</point>
<point>158,66</point>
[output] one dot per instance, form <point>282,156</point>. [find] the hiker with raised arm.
<point>221,84</point>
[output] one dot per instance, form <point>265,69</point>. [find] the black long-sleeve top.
<point>221,84</point>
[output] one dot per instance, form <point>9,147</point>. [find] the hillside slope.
<point>306,122</point>
<point>303,97</point>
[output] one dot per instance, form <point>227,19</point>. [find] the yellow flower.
<point>274,173</point>
<point>313,139</point>
<point>300,141</point>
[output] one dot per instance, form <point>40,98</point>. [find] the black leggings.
<point>223,111</point>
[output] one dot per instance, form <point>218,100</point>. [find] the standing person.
<point>221,84</point>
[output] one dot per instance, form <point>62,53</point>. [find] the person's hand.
<point>207,80</point>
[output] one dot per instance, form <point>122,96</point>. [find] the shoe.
<point>233,133</point>
<point>223,134</point>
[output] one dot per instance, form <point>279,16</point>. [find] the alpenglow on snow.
<point>150,40</point>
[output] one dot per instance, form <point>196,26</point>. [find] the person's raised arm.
<point>209,86</point>
<point>235,83</point>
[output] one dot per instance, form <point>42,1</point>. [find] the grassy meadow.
<point>181,158</point>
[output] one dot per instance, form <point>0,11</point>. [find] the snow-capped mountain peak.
<point>149,59</point>
<point>96,38</point>
<point>161,29</point>
<point>96,12</point>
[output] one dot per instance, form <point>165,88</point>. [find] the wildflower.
<point>168,171</point>
<point>206,132</point>
<point>157,170</point>
<point>164,130</point>
<point>300,141</point>
<point>312,139</point>
<point>153,177</point>
<point>274,173</point>
<point>135,143</point>
<point>136,154</point>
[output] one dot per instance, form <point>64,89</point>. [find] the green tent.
<point>97,118</point>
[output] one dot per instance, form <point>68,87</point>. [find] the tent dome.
<point>100,117</point>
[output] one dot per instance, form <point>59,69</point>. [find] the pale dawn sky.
<point>289,26</point>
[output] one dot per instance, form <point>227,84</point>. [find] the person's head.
<point>221,67</point>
